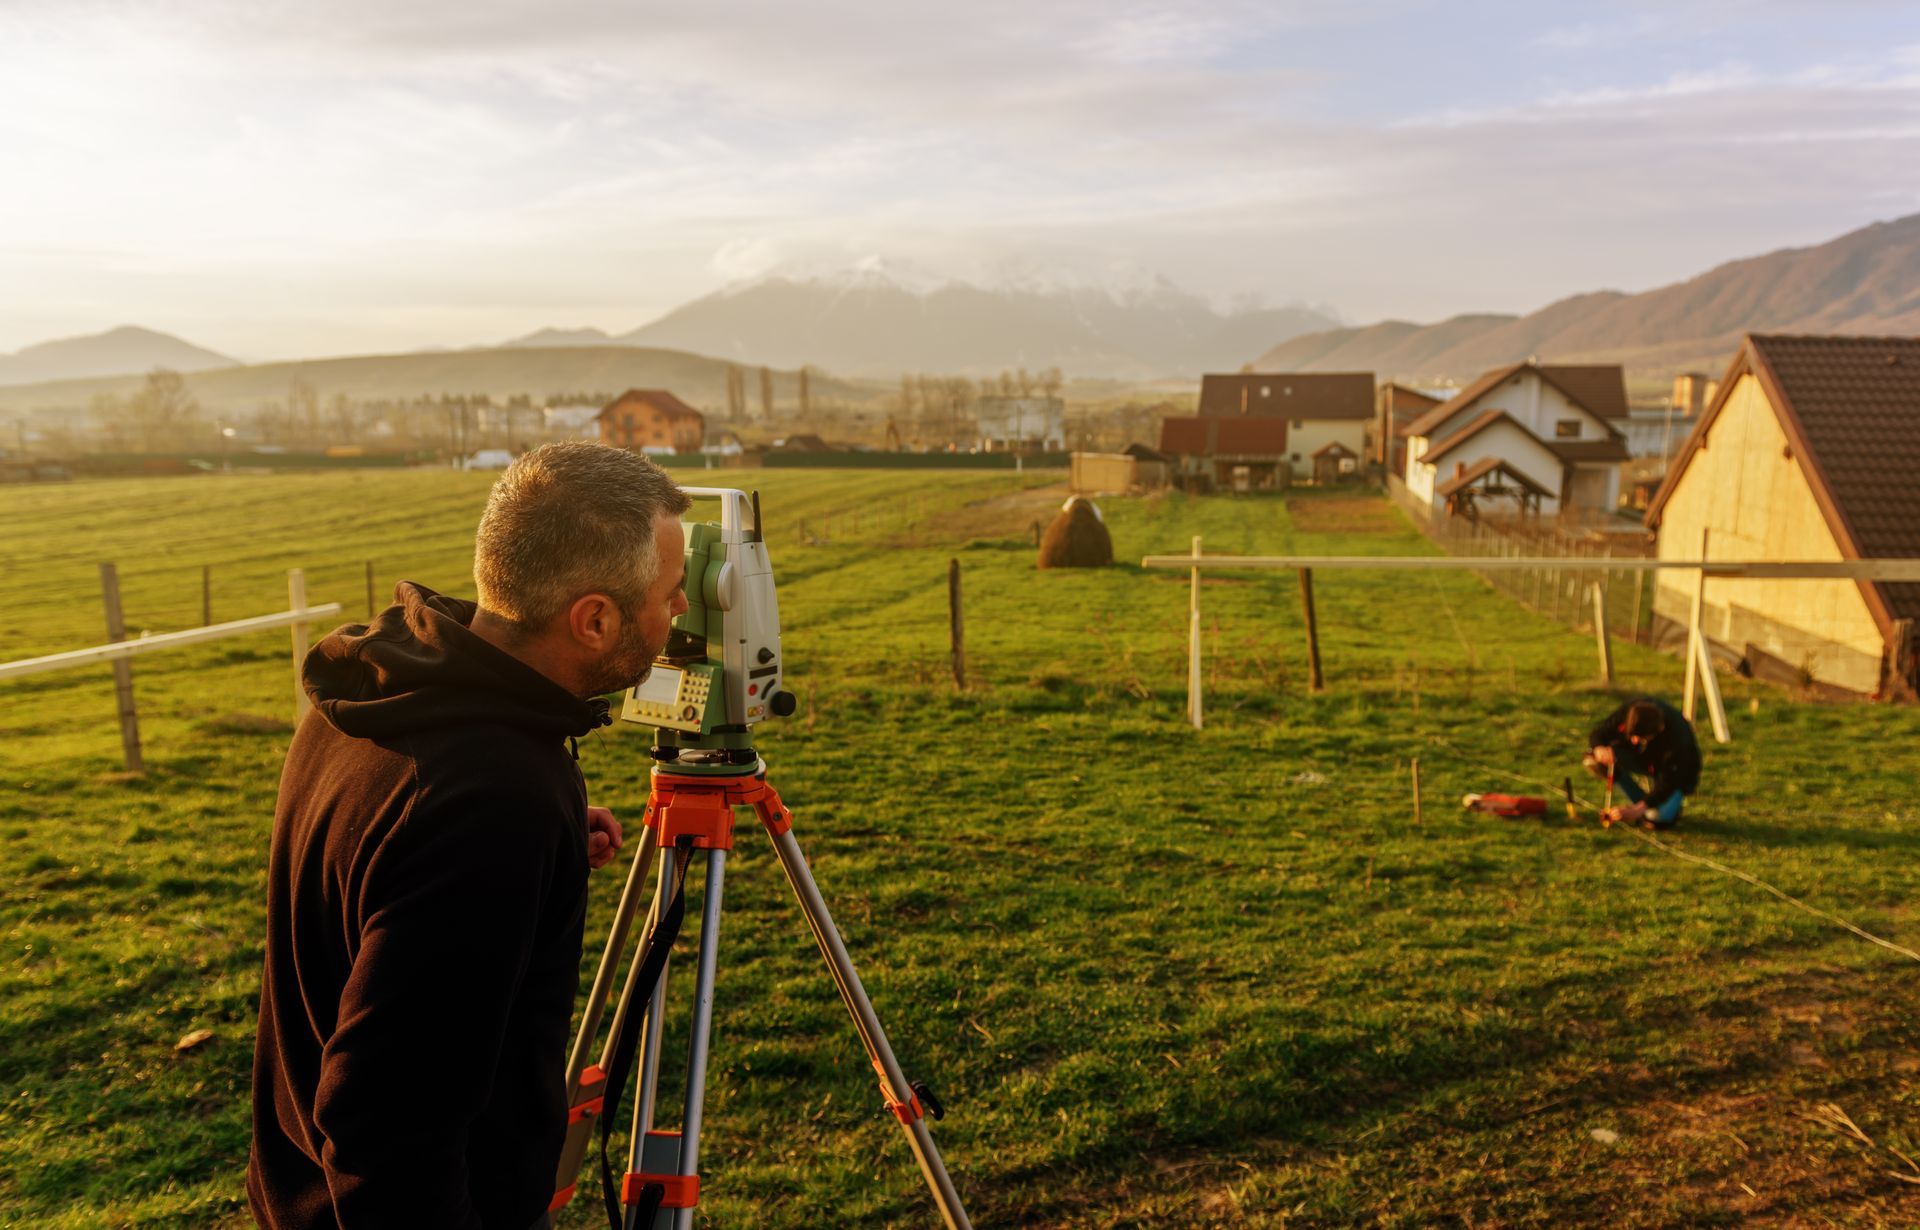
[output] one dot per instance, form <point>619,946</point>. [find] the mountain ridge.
<point>117,351</point>
<point>1865,281</point>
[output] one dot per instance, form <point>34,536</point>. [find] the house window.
<point>1296,457</point>
<point>1297,425</point>
<point>1567,429</point>
<point>1266,390</point>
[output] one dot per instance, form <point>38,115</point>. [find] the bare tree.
<point>303,410</point>
<point>1051,381</point>
<point>766,393</point>
<point>806,392</point>
<point>164,411</point>
<point>736,393</point>
<point>109,415</point>
<point>343,416</point>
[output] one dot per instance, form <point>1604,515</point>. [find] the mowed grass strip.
<point>1213,978</point>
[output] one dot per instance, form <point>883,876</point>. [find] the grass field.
<point>1160,977</point>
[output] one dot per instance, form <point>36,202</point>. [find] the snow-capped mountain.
<point>880,316</point>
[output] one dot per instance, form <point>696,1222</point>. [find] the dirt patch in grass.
<point>1343,515</point>
<point>1006,516</point>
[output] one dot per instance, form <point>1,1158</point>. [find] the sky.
<point>279,178</point>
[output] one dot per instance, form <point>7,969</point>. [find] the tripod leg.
<point>697,1045</point>
<point>583,1105</point>
<point>647,1086</point>
<point>630,898</point>
<point>900,1095</point>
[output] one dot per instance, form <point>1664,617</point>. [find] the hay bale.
<point>1077,538</point>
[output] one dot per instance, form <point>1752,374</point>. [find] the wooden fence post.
<point>1314,678</point>
<point>1416,790</point>
<point>1639,591</point>
<point>1694,634</point>
<point>122,671</point>
<point>206,594</point>
<point>1193,641</point>
<point>956,628</point>
<point>370,606</point>
<point>1600,631</point>
<point>297,601</point>
<point>1710,684</point>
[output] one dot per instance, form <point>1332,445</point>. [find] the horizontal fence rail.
<point>299,616</point>
<point>1699,667</point>
<point>164,641</point>
<point>1852,569</point>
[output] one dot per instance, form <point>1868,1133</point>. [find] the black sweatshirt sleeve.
<point>450,907</point>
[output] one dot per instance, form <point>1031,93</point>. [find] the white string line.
<point>1735,872</point>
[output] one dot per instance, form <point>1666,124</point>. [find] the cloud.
<point>486,163</point>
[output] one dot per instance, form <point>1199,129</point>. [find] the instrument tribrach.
<point>719,675</point>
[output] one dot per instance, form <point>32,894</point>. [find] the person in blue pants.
<point>1646,738</point>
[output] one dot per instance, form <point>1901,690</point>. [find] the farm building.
<point>1556,425</point>
<point>1319,408</point>
<point>652,420</point>
<point>1227,453</point>
<point>1809,450</point>
<point>1395,406</point>
<point>1021,424</point>
<point>1139,468</point>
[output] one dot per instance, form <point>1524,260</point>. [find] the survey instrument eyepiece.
<point>721,671</point>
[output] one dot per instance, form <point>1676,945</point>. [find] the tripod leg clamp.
<point>593,1085</point>
<point>905,1111</point>
<point>682,1190</point>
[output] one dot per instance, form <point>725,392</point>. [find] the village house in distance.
<point>652,421</point>
<point>1550,433</point>
<point>1262,431</point>
<point>1808,450</point>
<point>1326,414</point>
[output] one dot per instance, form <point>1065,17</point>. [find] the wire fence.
<point>1565,595</point>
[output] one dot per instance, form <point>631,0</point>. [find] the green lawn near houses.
<point>1159,976</point>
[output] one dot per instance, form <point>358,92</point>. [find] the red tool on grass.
<point>1510,805</point>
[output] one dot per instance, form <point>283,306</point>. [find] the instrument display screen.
<point>661,686</point>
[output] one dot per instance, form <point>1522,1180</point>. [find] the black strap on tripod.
<point>652,963</point>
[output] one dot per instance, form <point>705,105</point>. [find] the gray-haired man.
<point>426,891</point>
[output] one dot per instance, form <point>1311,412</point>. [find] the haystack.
<point>1077,538</point>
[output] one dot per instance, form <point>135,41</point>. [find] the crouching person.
<point>1649,739</point>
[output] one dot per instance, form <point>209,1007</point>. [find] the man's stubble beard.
<point>625,665</point>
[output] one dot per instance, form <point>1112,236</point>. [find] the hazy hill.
<point>547,338</point>
<point>1867,281</point>
<point>498,372</point>
<point>876,320</point>
<point>126,349</point>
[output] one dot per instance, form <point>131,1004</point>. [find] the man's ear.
<point>593,621</point>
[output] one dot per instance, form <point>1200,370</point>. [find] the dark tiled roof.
<point>1850,407</point>
<point>659,399</point>
<point>1426,423</point>
<point>1589,450</point>
<point>1334,447</point>
<point>1142,452</point>
<point>1601,390</point>
<point>1483,467</point>
<point>1289,395</point>
<point>1217,435</point>
<point>1857,402</point>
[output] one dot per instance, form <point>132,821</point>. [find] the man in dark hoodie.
<point>1652,739</point>
<point>426,889</point>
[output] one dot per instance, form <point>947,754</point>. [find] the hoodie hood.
<point>417,666</point>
